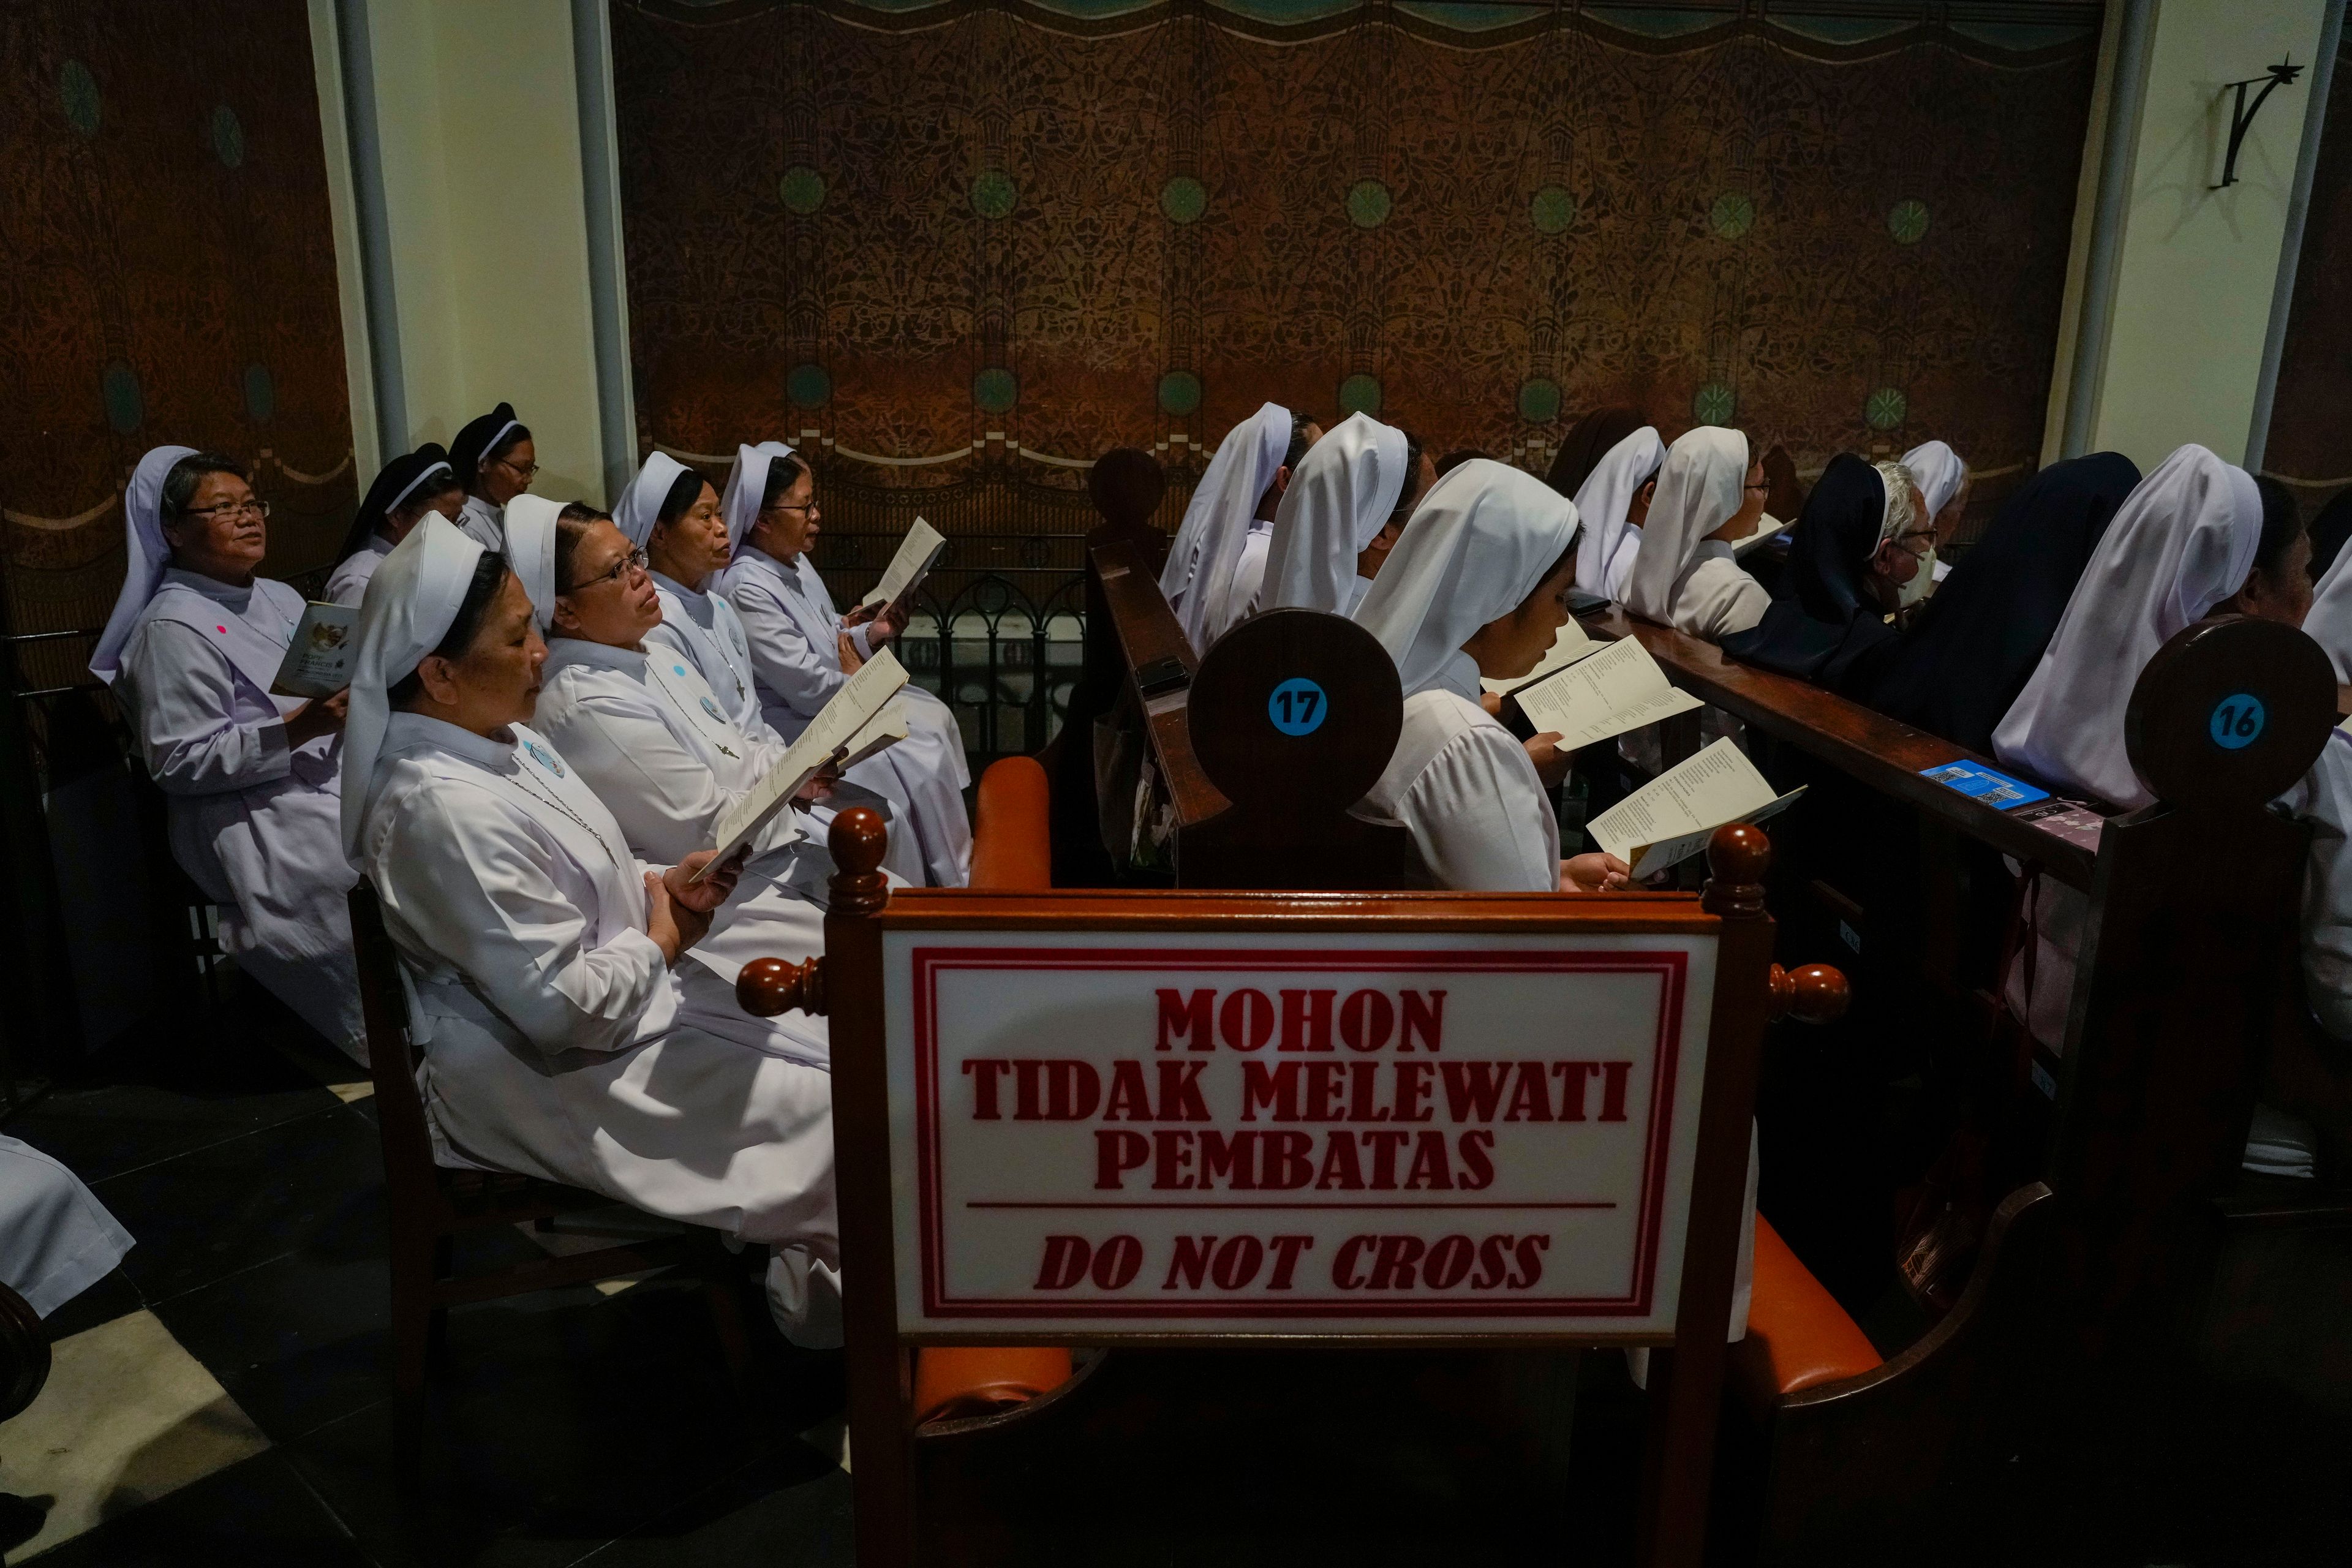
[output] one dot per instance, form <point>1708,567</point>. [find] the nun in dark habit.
<point>1863,549</point>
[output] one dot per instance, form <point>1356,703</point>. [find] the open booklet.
<point>319,661</point>
<point>1569,645</point>
<point>1670,820</point>
<point>1766,528</point>
<point>907,568</point>
<point>1618,688</point>
<point>859,721</point>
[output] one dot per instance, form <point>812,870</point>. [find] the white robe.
<point>1463,786</point>
<point>1714,597</point>
<point>1238,602</point>
<point>256,823</point>
<point>793,627</point>
<point>484,523</point>
<point>704,627</point>
<point>348,583</point>
<point>650,739</point>
<point>57,1239</point>
<point>556,1041</point>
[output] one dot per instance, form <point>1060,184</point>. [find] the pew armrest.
<point>1798,1336</point>
<point>1012,838</point>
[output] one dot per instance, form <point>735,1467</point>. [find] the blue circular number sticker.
<point>2237,721</point>
<point>1297,707</point>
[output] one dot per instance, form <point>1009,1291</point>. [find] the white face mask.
<point>1911,593</point>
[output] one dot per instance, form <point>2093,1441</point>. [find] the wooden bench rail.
<point>1149,632</point>
<point>1881,752</point>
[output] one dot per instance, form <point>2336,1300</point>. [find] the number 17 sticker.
<point>1297,707</point>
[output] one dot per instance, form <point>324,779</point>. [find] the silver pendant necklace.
<point>548,798</point>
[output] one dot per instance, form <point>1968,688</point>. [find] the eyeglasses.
<point>521,470</point>
<point>1904,540</point>
<point>259,508</point>
<point>809,506</point>
<point>634,561</point>
<point>1763,489</point>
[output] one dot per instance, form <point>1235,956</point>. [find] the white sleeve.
<point>2324,800</point>
<point>184,695</point>
<point>858,640</point>
<point>464,875</point>
<point>660,792</point>
<point>1477,816</point>
<point>1739,600</point>
<point>803,679</point>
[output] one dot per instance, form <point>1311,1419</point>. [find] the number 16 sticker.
<point>2237,721</point>
<point>1297,707</point>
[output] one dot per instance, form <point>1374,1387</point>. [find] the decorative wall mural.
<point>2311,423</point>
<point>167,273</point>
<point>948,239</point>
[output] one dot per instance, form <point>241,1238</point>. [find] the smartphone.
<point>1161,675</point>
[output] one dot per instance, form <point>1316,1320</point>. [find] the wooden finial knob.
<point>859,841</point>
<point>1737,855</point>
<point>1811,994</point>
<point>768,986</point>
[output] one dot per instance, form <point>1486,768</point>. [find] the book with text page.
<point>1669,819</point>
<point>319,661</point>
<point>857,722</point>
<point>917,554</point>
<point>1619,689</point>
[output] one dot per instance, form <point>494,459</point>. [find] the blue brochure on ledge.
<point>1980,783</point>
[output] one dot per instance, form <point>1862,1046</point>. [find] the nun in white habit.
<point>798,640</point>
<point>408,487</point>
<point>252,780</point>
<point>1613,542</point>
<point>1344,493</point>
<point>1943,479</point>
<point>2330,620</point>
<point>561,1038</point>
<point>2184,545</point>
<point>677,518</point>
<point>495,460</point>
<point>1685,576</point>
<point>1476,587</point>
<point>1198,577</point>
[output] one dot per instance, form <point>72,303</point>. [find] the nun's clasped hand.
<point>1595,873</point>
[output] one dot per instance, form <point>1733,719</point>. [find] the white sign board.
<point>1313,1134</point>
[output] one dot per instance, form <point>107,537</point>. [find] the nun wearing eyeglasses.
<point>1342,516</point>
<point>1710,491</point>
<point>495,460</point>
<point>804,650</point>
<point>1476,587</point>
<point>191,650</point>
<point>562,1037</point>
<point>676,516</point>
<point>410,486</point>
<point>1943,478</point>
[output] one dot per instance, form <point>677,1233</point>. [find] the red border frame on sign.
<point>929,962</point>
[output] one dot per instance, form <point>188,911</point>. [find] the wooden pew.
<point>2081,1393</point>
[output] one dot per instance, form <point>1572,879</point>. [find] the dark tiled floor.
<point>566,1424</point>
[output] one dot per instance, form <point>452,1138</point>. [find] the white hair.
<point>1902,488</point>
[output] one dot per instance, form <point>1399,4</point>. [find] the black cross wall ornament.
<point>2242,116</point>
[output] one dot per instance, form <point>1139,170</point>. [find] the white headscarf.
<point>1700,487</point>
<point>640,506</point>
<point>746,482</point>
<point>1939,473</point>
<point>1338,502</point>
<point>1479,545</point>
<point>406,611</point>
<point>2329,624</point>
<point>530,551</point>
<point>1605,500</point>
<point>2180,544</point>
<point>1208,541</point>
<point>145,554</point>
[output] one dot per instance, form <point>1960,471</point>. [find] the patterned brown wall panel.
<point>167,273</point>
<point>2311,423</point>
<point>842,220</point>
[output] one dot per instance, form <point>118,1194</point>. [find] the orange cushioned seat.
<point>1798,1336</point>
<point>952,1381</point>
<point>1012,839</point>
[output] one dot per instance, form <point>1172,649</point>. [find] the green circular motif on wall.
<point>1369,203</point>
<point>802,190</point>
<point>77,89</point>
<point>1183,199</point>
<point>1714,404</point>
<point>1539,400</point>
<point>995,389</point>
<point>808,385</point>
<point>1360,394</point>
<point>228,136</point>
<point>1885,408</point>
<point>125,409</point>
<point>1179,392</point>
<point>260,393</point>
<point>1732,215</point>
<point>993,194</point>
<point>1907,222</point>
<point>1553,209</point>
